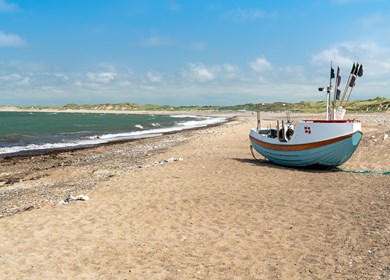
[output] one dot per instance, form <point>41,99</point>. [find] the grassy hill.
<point>371,105</point>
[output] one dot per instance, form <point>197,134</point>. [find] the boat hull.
<point>328,152</point>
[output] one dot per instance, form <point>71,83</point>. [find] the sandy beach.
<point>196,205</point>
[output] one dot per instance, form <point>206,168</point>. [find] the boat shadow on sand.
<point>266,163</point>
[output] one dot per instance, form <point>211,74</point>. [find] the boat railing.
<point>332,121</point>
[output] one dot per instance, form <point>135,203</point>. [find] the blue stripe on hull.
<point>330,155</point>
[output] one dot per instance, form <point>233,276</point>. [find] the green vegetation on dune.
<point>371,105</point>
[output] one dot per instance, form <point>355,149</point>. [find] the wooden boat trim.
<point>300,147</point>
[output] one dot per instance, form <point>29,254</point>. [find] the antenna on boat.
<point>336,94</point>
<point>288,113</point>
<point>258,117</point>
<point>329,90</point>
<point>258,106</point>
<point>285,109</point>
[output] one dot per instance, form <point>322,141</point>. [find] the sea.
<point>24,133</point>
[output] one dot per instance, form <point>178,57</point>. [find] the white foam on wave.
<point>47,146</point>
<point>106,138</point>
<point>202,122</point>
<point>185,116</point>
<point>139,126</point>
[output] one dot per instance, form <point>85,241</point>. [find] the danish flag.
<point>307,130</point>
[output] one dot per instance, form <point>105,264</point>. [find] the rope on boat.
<point>253,154</point>
<point>363,171</point>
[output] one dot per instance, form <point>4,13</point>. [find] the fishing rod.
<point>358,73</point>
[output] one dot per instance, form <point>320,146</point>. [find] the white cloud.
<point>25,81</point>
<point>260,64</point>
<point>7,7</point>
<point>343,54</point>
<point>198,72</point>
<point>101,77</point>
<point>373,55</point>
<point>61,76</point>
<point>10,40</point>
<point>217,74</point>
<point>34,79</point>
<point>154,77</point>
<point>10,78</point>
<point>230,71</point>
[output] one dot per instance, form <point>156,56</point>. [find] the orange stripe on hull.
<point>299,147</point>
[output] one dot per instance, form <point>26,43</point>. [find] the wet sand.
<point>214,213</point>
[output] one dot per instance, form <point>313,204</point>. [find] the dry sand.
<point>216,214</point>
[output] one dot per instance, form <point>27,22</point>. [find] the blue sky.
<point>188,52</point>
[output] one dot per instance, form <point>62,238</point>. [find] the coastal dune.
<point>213,212</point>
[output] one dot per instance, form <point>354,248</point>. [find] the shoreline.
<point>55,151</point>
<point>224,117</point>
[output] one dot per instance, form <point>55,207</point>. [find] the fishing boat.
<point>327,142</point>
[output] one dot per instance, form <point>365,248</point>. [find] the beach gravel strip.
<point>32,182</point>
